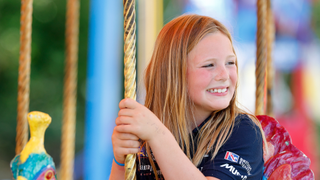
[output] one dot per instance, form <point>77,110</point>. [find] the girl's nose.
<point>221,74</point>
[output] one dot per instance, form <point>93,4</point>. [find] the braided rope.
<point>24,74</point>
<point>261,56</point>
<point>70,90</point>
<point>270,71</point>
<point>130,71</point>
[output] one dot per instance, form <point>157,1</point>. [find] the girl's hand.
<point>135,118</point>
<point>123,144</point>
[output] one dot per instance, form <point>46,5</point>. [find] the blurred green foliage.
<point>316,17</point>
<point>47,71</point>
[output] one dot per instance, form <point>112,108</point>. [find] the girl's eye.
<point>231,63</point>
<point>208,65</point>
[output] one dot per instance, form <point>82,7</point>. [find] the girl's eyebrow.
<point>231,56</point>
<point>228,57</point>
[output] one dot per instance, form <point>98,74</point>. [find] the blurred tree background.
<point>47,73</point>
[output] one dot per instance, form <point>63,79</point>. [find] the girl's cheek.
<point>233,74</point>
<point>203,74</point>
<point>198,74</point>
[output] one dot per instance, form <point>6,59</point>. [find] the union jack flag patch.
<point>231,157</point>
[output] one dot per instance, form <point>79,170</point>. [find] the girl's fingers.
<point>126,151</point>
<point>132,150</point>
<point>130,144</point>
<point>127,136</point>
<point>124,147</point>
<point>122,128</point>
<point>123,120</point>
<point>120,153</point>
<point>127,103</point>
<point>126,143</point>
<point>126,112</point>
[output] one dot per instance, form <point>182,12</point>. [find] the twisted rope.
<point>270,70</point>
<point>70,91</point>
<point>24,74</point>
<point>130,71</point>
<point>261,56</point>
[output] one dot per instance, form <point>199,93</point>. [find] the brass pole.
<point>261,56</point>
<point>70,91</point>
<point>130,71</point>
<point>24,74</point>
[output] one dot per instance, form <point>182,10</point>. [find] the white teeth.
<point>217,90</point>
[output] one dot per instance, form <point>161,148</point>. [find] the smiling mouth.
<point>217,90</point>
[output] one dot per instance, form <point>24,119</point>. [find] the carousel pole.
<point>261,56</point>
<point>270,70</point>
<point>70,91</point>
<point>24,74</point>
<point>130,71</point>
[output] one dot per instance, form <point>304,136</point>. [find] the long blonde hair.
<point>166,87</point>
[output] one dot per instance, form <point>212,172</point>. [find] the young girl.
<point>190,126</point>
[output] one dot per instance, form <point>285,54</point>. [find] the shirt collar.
<point>195,130</point>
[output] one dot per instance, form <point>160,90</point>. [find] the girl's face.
<point>211,74</point>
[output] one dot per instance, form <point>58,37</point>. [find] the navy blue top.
<point>240,158</point>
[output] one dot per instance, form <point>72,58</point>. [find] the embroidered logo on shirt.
<point>245,164</point>
<point>231,157</point>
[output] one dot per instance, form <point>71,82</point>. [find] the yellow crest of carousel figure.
<point>33,163</point>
